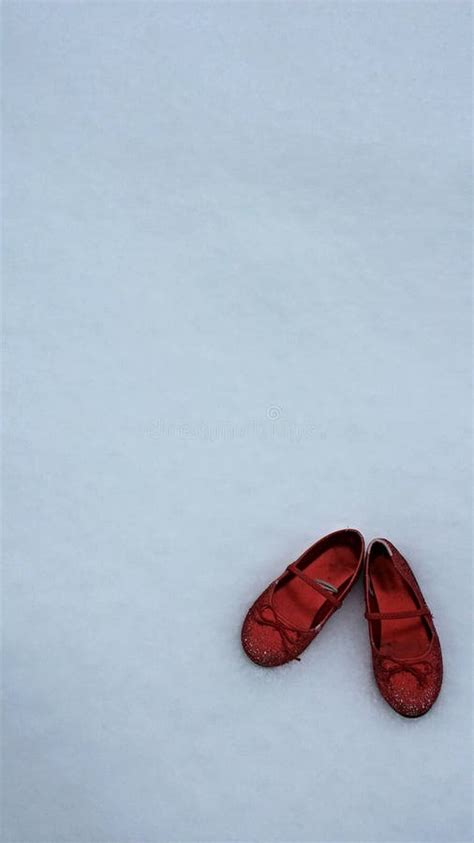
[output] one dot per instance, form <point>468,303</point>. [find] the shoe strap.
<point>394,616</point>
<point>324,588</point>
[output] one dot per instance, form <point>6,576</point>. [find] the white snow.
<point>237,317</point>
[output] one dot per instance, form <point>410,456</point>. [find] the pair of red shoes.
<point>289,614</point>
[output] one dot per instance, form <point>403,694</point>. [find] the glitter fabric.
<point>406,652</point>
<point>292,610</point>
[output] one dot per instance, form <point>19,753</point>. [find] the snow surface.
<point>237,317</point>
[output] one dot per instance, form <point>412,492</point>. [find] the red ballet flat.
<point>406,652</point>
<point>293,608</point>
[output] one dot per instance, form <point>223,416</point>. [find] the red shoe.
<point>406,652</point>
<point>292,610</point>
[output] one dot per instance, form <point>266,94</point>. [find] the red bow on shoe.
<point>275,622</point>
<point>400,667</point>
